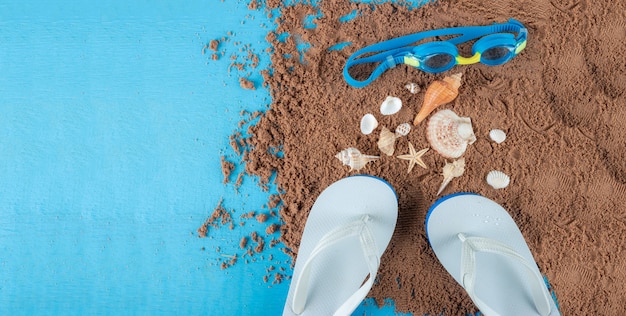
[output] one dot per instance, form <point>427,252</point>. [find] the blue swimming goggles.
<point>494,48</point>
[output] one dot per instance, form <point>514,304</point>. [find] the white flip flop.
<point>480,245</point>
<point>346,233</point>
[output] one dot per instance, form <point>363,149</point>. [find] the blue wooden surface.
<point>112,125</point>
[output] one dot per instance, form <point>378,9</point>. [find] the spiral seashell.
<point>451,171</point>
<point>498,179</point>
<point>438,93</point>
<point>391,105</point>
<point>403,129</point>
<point>368,124</point>
<point>413,87</point>
<point>449,134</point>
<point>497,135</point>
<point>387,141</point>
<point>354,158</point>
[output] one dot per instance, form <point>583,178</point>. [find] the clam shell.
<point>368,124</point>
<point>391,105</point>
<point>354,158</point>
<point>449,134</point>
<point>413,87</point>
<point>498,179</point>
<point>387,141</point>
<point>403,129</point>
<point>497,135</point>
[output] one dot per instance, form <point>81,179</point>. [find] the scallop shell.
<point>368,124</point>
<point>413,87</point>
<point>403,129</point>
<point>498,179</point>
<point>387,141</point>
<point>497,135</point>
<point>391,105</point>
<point>449,134</point>
<point>438,93</point>
<point>354,158</point>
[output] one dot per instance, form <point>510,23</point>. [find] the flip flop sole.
<point>500,283</point>
<point>340,270</point>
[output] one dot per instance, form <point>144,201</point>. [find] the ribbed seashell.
<point>354,158</point>
<point>449,134</point>
<point>387,141</point>
<point>497,135</point>
<point>403,129</point>
<point>438,93</point>
<point>452,170</point>
<point>498,179</point>
<point>413,87</point>
<point>368,124</point>
<point>391,105</point>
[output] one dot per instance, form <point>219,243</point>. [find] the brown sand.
<point>227,169</point>
<point>213,45</point>
<point>272,228</point>
<point>246,84</point>
<point>261,218</point>
<point>219,217</point>
<point>562,103</point>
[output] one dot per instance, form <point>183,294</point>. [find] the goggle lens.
<point>438,61</point>
<point>495,55</point>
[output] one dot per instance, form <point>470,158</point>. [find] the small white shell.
<point>391,105</point>
<point>449,134</point>
<point>412,87</point>
<point>403,129</point>
<point>368,124</point>
<point>352,157</point>
<point>497,135</point>
<point>451,171</point>
<point>498,179</point>
<point>387,141</point>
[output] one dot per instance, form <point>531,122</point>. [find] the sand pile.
<point>562,103</point>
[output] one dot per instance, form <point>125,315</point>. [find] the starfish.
<point>414,157</point>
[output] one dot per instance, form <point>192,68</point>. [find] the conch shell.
<point>451,171</point>
<point>352,157</point>
<point>438,93</point>
<point>387,141</point>
<point>449,134</point>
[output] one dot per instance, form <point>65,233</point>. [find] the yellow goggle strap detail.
<point>520,47</point>
<point>468,61</point>
<point>411,61</point>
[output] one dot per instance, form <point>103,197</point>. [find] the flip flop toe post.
<point>481,246</point>
<point>346,233</point>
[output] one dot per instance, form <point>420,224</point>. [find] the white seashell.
<point>498,179</point>
<point>449,134</point>
<point>451,171</point>
<point>391,105</point>
<point>368,124</point>
<point>403,129</point>
<point>497,135</point>
<point>413,87</point>
<point>352,157</point>
<point>387,141</point>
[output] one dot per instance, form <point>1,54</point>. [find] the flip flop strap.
<point>472,245</point>
<point>370,251</point>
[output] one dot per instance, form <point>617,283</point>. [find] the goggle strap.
<point>391,52</point>
<point>390,62</point>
